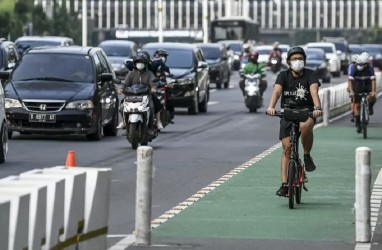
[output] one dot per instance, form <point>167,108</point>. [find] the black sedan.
<point>190,72</point>
<point>66,90</point>
<point>217,59</point>
<point>316,60</point>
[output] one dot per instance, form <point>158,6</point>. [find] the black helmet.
<point>160,52</point>
<point>145,54</point>
<point>296,50</point>
<point>140,58</point>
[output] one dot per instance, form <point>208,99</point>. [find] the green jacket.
<point>257,68</point>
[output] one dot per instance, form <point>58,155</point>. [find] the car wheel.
<point>97,135</point>
<point>218,84</point>
<point>226,84</point>
<point>10,135</point>
<point>111,128</point>
<point>4,143</point>
<point>204,104</point>
<point>194,108</point>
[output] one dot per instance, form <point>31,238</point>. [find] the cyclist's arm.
<point>351,79</point>
<point>373,86</point>
<point>277,90</point>
<point>314,93</point>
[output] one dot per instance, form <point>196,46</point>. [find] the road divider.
<point>55,208</point>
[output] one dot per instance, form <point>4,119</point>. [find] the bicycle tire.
<point>298,189</point>
<point>364,130</point>
<point>291,180</point>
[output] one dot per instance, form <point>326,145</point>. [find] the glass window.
<point>49,66</point>
<point>211,53</point>
<point>116,50</point>
<point>177,58</point>
<point>327,49</point>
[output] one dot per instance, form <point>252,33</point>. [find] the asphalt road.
<point>188,155</point>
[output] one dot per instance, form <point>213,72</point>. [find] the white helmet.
<point>363,58</point>
<point>354,58</point>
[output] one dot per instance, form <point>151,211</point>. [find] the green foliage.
<point>7,6</point>
<point>374,35</point>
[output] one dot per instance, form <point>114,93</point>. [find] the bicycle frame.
<point>364,113</point>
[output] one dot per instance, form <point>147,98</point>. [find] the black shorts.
<point>359,88</point>
<point>286,127</point>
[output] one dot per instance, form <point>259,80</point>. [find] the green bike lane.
<point>245,209</point>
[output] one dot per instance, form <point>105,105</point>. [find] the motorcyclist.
<point>276,52</point>
<point>255,68</point>
<point>162,71</point>
<point>362,79</point>
<point>246,50</point>
<point>130,61</point>
<point>141,74</point>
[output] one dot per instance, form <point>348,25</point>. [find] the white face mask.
<point>297,65</point>
<point>140,66</point>
<point>359,67</point>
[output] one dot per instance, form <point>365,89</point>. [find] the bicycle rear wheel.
<point>291,180</point>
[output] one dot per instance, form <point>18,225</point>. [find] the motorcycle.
<point>275,64</point>
<point>137,115</point>
<point>163,93</point>
<point>252,98</point>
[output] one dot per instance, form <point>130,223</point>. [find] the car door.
<point>103,89</point>
<point>202,74</point>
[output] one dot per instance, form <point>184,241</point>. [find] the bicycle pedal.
<point>305,188</point>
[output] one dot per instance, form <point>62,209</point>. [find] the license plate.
<point>34,117</point>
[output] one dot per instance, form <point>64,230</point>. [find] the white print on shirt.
<point>298,93</point>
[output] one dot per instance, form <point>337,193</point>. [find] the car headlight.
<point>117,66</point>
<point>12,103</point>
<point>80,105</point>
<point>184,81</point>
<point>236,57</point>
<point>323,65</point>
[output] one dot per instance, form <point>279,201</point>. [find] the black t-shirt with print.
<point>296,90</point>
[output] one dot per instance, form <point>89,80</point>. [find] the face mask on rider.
<point>140,66</point>
<point>297,65</point>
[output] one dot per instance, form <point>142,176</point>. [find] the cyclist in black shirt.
<point>298,88</point>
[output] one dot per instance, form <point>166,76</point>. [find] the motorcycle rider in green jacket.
<point>253,67</point>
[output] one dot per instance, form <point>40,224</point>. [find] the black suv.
<point>62,90</point>
<point>217,59</point>
<point>190,70</point>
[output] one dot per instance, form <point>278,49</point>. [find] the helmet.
<point>246,47</point>
<point>354,58</point>
<point>363,58</point>
<point>145,54</point>
<point>276,44</point>
<point>160,53</point>
<point>296,50</point>
<point>140,58</point>
<point>254,55</point>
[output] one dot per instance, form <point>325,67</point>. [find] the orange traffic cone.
<point>70,159</point>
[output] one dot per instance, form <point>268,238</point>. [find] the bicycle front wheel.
<point>298,188</point>
<point>364,130</point>
<point>291,182</point>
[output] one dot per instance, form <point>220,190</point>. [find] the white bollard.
<point>55,203</point>
<point>5,214</point>
<point>362,195</point>
<point>143,196</point>
<point>37,207</point>
<point>326,107</point>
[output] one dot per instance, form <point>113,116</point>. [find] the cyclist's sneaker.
<point>371,110</point>
<point>283,190</point>
<point>359,128</point>
<point>309,164</point>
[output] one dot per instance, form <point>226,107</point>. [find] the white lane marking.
<point>212,103</point>
<point>124,243</point>
<point>118,235</point>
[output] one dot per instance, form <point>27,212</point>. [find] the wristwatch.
<point>317,107</point>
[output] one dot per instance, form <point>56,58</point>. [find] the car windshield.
<point>49,66</point>
<point>235,46</point>
<point>356,50</point>
<point>211,53</point>
<point>372,50</point>
<point>313,55</point>
<point>327,49</point>
<point>24,45</point>
<point>340,46</point>
<point>177,58</point>
<point>116,50</point>
<point>263,51</point>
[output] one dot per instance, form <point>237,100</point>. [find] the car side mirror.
<point>202,65</point>
<point>4,75</point>
<point>106,77</point>
<point>11,65</point>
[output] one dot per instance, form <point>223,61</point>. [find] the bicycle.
<point>364,113</point>
<point>296,177</point>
